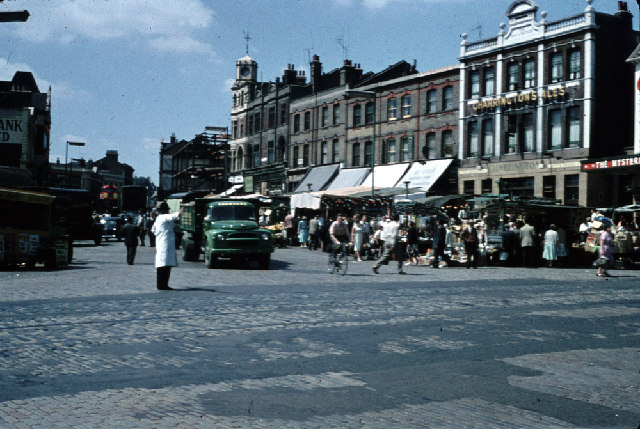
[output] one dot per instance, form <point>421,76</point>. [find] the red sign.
<point>611,163</point>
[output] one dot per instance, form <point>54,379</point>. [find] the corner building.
<point>540,98</point>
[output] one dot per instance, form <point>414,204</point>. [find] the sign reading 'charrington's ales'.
<point>515,100</point>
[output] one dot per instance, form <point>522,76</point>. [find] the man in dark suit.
<point>131,233</point>
<point>470,239</point>
<point>439,244</point>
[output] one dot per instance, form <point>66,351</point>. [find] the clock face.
<point>244,71</point>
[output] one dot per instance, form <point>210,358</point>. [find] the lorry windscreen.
<point>233,213</point>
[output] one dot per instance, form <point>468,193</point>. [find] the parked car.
<point>112,228</point>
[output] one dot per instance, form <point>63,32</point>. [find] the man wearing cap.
<point>166,256</point>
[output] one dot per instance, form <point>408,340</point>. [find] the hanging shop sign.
<point>605,164</point>
<point>520,99</point>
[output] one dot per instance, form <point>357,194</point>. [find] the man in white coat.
<point>166,256</point>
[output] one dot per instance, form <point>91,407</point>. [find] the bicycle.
<point>338,262</point>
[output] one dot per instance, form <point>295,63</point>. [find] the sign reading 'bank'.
<point>14,126</point>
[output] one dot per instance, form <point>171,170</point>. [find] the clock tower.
<point>246,69</point>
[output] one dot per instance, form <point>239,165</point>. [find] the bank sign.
<point>606,164</point>
<point>14,126</point>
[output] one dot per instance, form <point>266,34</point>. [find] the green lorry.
<point>224,229</point>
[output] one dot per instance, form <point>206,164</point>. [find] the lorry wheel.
<point>210,261</point>
<point>50,262</point>
<point>264,262</point>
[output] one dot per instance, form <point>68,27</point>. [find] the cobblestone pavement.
<point>96,346</point>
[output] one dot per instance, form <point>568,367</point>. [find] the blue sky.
<point>125,74</point>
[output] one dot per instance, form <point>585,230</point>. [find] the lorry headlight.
<point>265,236</point>
<point>221,237</point>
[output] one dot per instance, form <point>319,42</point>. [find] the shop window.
<point>431,101</point>
<point>357,115</point>
<point>549,187</point>
<point>406,106</point>
<point>474,87</point>
<point>391,150</point>
<point>486,186</point>
<point>513,73</point>
<point>335,154</point>
<point>369,113</point>
<point>555,129</point>
<point>392,108</point>
<point>571,189</point>
<point>447,98</point>
<point>573,120</point>
<point>529,74</point>
<point>489,81</point>
<point>574,65</point>
<point>355,155</point>
<point>447,144</point>
<point>325,116</point>
<point>368,153</point>
<point>517,187</point>
<point>556,67</point>
<point>473,139</point>
<point>487,137</point>
<point>336,114</point>
<point>469,187</point>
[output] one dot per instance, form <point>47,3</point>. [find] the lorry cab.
<point>225,229</point>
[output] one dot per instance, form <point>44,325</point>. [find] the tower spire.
<point>246,38</point>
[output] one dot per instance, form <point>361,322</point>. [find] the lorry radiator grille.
<point>243,235</point>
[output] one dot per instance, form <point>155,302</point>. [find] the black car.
<point>112,228</point>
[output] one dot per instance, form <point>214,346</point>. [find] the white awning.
<point>386,176</point>
<point>423,176</point>
<point>306,200</point>
<point>348,178</point>
<point>317,178</point>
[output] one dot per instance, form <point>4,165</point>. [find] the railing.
<point>569,22</point>
<point>483,44</point>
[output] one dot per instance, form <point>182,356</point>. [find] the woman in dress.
<point>303,231</point>
<point>605,250</point>
<point>550,252</point>
<point>357,234</point>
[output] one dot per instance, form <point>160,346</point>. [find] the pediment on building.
<point>522,16</point>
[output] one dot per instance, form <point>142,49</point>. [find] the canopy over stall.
<point>317,178</point>
<point>348,178</point>
<point>386,176</point>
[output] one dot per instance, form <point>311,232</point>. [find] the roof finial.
<point>247,38</point>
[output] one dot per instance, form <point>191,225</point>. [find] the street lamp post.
<point>66,156</point>
<point>369,95</point>
<point>406,187</point>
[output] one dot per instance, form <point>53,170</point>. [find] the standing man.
<point>389,236</point>
<point>166,245</point>
<point>288,228</point>
<point>149,226</point>
<point>131,233</point>
<point>314,232</point>
<point>439,244</point>
<point>470,239</point>
<point>527,243</point>
<point>142,226</point>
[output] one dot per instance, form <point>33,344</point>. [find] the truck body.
<point>133,198</point>
<point>29,233</point>
<point>224,229</point>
